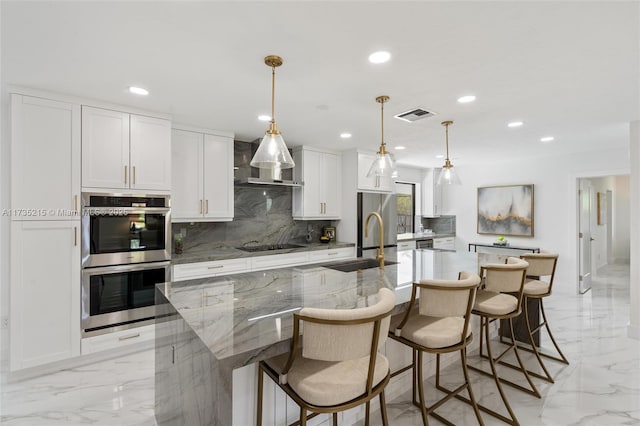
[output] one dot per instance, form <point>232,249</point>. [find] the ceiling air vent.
<point>414,115</point>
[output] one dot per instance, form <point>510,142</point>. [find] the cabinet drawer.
<point>118,339</point>
<point>210,269</point>
<point>331,254</point>
<point>259,263</point>
<point>444,243</point>
<point>406,245</point>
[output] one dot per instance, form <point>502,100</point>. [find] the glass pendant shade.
<point>448,176</point>
<point>272,153</point>
<point>384,165</point>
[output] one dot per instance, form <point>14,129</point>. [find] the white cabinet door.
<point>105,148</point>
<point>447,243</point>
<point>45,292</point>
<point>371,183</point>
<point>150,149</point>
<point>218,177</point>
<point>431,194</point>
<point>331,178</point>
<point>320,197</point>
<point>186,164</point>
<point>45,157</point>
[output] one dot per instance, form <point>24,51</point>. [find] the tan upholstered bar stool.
<point>538,284</point>
<point>338,366</point>
<point>501,298</point>
<point>440,324</point>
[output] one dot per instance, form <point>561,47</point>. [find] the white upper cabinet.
<point>431,194</point>
<point>372,183</point>
<point>125,151</point>
<point>45,159</point>
<point>202,188</point>
<point>320,197</point>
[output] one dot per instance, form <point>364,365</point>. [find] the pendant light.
<point>272,152</point>
<point>448,174</point>
<point>384,165</point>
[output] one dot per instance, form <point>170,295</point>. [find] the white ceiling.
<point>567,69</point>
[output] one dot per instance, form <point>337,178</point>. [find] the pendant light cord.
<point>382,123</point>
<point>273,95</point>
<point>446,129</point>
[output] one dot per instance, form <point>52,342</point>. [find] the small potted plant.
<point>178,244</point>
<point>501,241</point>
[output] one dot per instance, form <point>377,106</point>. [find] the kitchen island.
<point>224,323</point>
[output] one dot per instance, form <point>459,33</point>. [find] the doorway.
<point>603,222</point>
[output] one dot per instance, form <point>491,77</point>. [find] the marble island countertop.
<point>238,315</point>
<point>213,327</point>
<point>224,253</point>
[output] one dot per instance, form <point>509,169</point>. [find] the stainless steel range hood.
<point>244,174</point>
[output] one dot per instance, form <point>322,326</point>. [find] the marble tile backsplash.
<point>440,225</point>
<point>262,216</point>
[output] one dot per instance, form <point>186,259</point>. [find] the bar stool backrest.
<point>505,278</point>
<point>541,265</point>
<point>448,298</point>
<point>344,334</point>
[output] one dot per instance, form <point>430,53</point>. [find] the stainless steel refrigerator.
<point>386,206</point>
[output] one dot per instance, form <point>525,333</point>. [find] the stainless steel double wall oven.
<point>126,251</point>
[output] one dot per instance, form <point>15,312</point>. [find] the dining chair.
<point>438,325</point>
<point>338,365</point>
<point>500,298</point>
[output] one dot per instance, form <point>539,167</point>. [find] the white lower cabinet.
<point>188,271</point>
<point>406,245</point>
<point>259,263</point>
<point>45,292</point>
<point>331,254</point>
<point>118,339</point>
<point>446,243</point>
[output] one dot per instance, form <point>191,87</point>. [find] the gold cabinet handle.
<point>134,175</point>
<point>75,236</point>
<point>216,267</point>
<point>200,206</point>
<point>125,175</point>
<point>332,254</point>
<point>75,203</point>
<point>207,207</point>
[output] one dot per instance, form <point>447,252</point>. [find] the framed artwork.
<point>601,200</point>
<point>506,210</point>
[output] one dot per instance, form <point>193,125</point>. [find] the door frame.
<point>574,241</point>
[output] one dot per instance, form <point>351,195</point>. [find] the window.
<point>405,196</point>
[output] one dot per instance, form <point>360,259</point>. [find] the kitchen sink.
<point>357,264</point>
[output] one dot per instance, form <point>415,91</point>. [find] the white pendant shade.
<point>272,153</point>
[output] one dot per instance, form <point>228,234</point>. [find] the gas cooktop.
<point>269,247</point>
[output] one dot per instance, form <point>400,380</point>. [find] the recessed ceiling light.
<point>466,99</point>
<point>379,57</point>
<point>400,147</point>
<point>439,156</point>
<point>264,117</point>
<point>345,135</point>
<point>547,139</point>
<point>138,90</point>
<point>515,124</point>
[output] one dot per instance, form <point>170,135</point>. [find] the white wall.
<point>555,201</point>
<point>621,220</point>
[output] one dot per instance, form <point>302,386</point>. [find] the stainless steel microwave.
<point>120,229</point>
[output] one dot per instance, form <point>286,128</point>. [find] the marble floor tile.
<point>601,386</point>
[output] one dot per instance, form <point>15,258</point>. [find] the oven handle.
<point>130,267</point>
<point>121,211</point>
